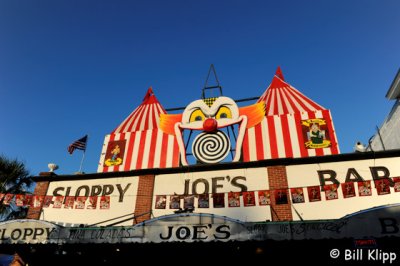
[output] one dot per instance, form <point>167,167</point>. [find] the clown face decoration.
<point>208,117</point>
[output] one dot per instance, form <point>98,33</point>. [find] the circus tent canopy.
<point>281,98</point>
<point>144,117</point>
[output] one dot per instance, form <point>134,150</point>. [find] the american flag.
<point>79,144</point>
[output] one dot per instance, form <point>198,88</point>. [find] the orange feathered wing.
<point>255,113</point>
<point>168,121</point>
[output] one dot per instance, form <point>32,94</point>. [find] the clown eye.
<point>197,115</point>
<point>223,112</point>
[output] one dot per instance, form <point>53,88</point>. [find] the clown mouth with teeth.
<point>209,116</point>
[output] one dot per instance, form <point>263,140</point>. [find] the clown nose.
<point>210,125</point>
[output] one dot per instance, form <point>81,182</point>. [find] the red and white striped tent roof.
<point>146,116</point>
<point>281,98</point>
<point>142,144</point>
<point>281,133</point>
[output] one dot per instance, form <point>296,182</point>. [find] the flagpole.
<point>83,156</point>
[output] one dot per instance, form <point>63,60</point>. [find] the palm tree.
<point>14,179</point>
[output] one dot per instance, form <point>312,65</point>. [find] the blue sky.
<point>70,68</point>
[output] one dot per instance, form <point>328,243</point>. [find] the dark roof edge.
<point>223,166</point>
<point>394,89</point>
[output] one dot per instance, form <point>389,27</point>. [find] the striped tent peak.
<point>146,116</point>
<point>281,98</point>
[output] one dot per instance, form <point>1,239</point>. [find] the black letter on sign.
<point>389,222</point>
<point>55,191</point>
<point>234,183</point>
<point>196,232</point>
<point>332,177</point>
<point>353,172</point>
<point>219,230</point>
<point>96,190</point>
<point>78,191</point>
<point>122,191</point>
<point>386,174</point>
<point>169,233</point>
<point>215,184</point>
<point>206,186</point>
<point>107,190</point>
<point>186,233</point>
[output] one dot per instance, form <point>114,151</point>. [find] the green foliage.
<point>14,179</point>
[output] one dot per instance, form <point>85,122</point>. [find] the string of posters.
<point>249,197</point>
<point>264,196</point>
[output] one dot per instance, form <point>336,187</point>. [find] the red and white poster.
<point>37,201</point>
<point>331,192</point>
<point>281,196</point>
<point>234,199</point>
<point>174,202</point>
<point>314,193</point>
<point>115,153</point>
<point>80,202</point>
<point>28,200</point>
<point>7,199</point>
<point>382,186</point>
<point>264,197</point>
<point>297,195</point>
<point>47,201</point>
<point>204,201</point>
<point>161,202</point>
<point>188,202</point>
<point>364,188</point>
<point>58,201</point>
<point>249,199</point>
<point>92,202</point>
<point>69,202</point>
<point>348,190</point>
<point>219,200</point>
<point>396,181</point>
<point>104,202</point>
<point>316,133</point>
<point>19,200</point>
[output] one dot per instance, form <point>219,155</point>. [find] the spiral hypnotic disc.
<point>211,147</point>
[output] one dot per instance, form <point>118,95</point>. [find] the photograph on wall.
<point>331,192</point>
<point>204,201</point>
<point>69,202</point>
<point>115,153</point>
<point>7,199</point>
<point>47,201</point>
<point>92,202</point>
<point>174,202</point>
<point>348,190</point>
<point>315,133</point>
<point>161,202</point>
<point>364,188</point>
<point>80,202</point>
<point>314,193</point>
<point>234,199</point>
<point>249,199</point>
<point>188,202</point>
<point>264,197</point>
<point>281,196</point>
<point>396,181</point>
<point>382,186</point>
<point>297,195</point>
<point>58,201</point>
<point>218,200</point>
<point>37,201</point>
<point>104,202</point>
